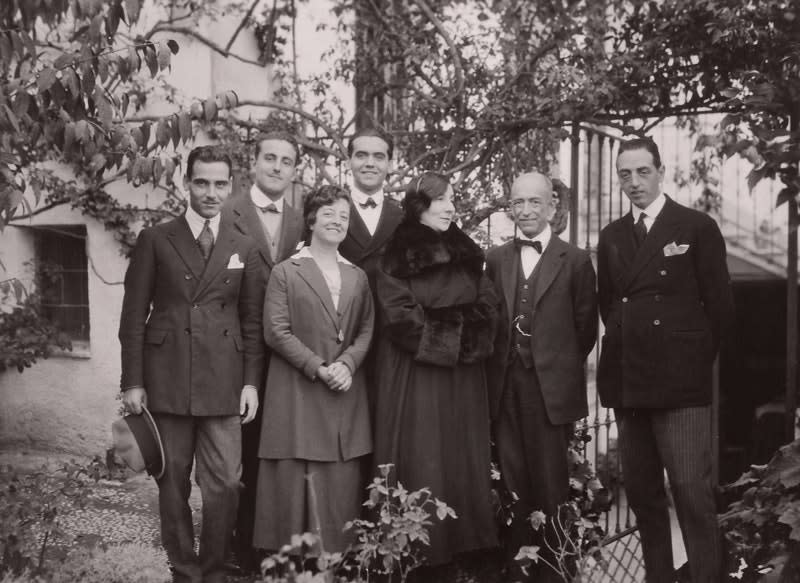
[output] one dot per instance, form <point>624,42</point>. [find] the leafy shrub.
<point>25,334</point>
<point>762,527</point>
<point>30,507</point>
<point>390,542</point>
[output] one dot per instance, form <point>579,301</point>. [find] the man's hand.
<point>248,404</point>
<point>340,377</point>
<point>134,399</point>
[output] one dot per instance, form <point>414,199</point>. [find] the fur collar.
<point>415,248</point>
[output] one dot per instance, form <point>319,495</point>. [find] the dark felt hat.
<point>138,443</point>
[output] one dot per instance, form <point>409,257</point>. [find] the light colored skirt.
<point>288,503</point>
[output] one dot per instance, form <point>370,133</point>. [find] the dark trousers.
<point>215,444</point>
<point>680,441</point>
<point>532,453</point>
<point>245,517</point>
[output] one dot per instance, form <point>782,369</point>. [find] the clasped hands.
<point>336,375</point>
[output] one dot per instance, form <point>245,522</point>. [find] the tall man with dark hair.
<point>665,298</point>
<point>191,334</point>
<point>277,228</point>
<point>376,216</point>
<point>537,384</point>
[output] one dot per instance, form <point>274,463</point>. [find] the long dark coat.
<point>438,314</point>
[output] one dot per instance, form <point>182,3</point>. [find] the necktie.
<point>640,230</point>
<point>369,204</point>
<point>206,240</point>
<point>526,243</point>
<point>270,208</point>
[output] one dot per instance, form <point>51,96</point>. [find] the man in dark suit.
<point>191,333</point>
<point>665,297</point>
<point>374,216</point>
<point>537,385</point>
<point>277,228</point>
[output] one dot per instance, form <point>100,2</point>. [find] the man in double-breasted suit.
<point>665,298</point>
<point>190,332</point>
<point>537,385</point>
<point>373,216</point>
<point>276,228</point>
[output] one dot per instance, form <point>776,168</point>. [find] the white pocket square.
<point>672,249</point>
<point>234,262</point>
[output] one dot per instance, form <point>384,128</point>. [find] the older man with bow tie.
<point>537,387</point>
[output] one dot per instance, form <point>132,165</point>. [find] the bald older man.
<point>537,385</point>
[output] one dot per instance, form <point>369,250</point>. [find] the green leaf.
<point>158,170</point>
<point>163,133</point>
<point>132,9</point>
<point>176,131</point>
<point>185,126</point>
<point>151,59</point>
<point>209,109</point>
<point>46,78</point>
<point>164,56</point>
<point>784,467</point>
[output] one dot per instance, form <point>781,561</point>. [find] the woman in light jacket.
<point>318,321</point>
<point>438,321</point>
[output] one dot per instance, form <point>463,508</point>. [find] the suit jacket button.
<point>657,298</point>
<point>187,276</point>
<point>624,300</point>
<point>656,322</point>
<point>524,301</point>
<point>662,272</point>
<point>195,306</point>
<point>225,333</point>
<point>187,330</point>
<point>227,280</point>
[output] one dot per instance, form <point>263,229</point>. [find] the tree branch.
<point>242,24</point>
<point>459,70</point>
<point>202,39</point>
<point>302,113</point>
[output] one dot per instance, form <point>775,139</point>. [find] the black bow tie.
<point>369,204</point>
<point>270,208</point>
<point>526,243</point>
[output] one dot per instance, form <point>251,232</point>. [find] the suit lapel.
<point>386,226</point>
<point>220,255</point>
<point>660,233</point>
<point>289,226</point>
<point>509,276</point>
<point>311,274</point>
<point>180,236</point>
<point>549,265</point>
<point>246,215</point>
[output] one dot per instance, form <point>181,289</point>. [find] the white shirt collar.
<point>543,237</point>
<point>652,210</point>
<point>196,222</point>
<point>261,200</point>
<point>360,197</point>
<point>305,253</point>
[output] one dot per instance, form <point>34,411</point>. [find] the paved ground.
<point>127,512</point>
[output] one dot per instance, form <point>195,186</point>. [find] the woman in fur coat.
<point>438,313</point>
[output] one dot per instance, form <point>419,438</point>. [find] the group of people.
<point>287,354</point>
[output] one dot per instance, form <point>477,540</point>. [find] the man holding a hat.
<point>190,332</point>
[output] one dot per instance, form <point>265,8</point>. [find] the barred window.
<point>62,276</point>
